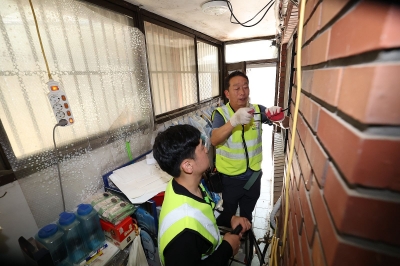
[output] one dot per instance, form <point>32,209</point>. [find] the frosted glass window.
<point>207,58</point>
<point>100,59</point>
<point>254,50</point>
<point>89,50</point>
<point>172,68</point>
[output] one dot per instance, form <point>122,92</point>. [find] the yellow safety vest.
<point>180,212</point>
<point>243,148</point>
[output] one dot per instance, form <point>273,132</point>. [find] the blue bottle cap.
<point>84,209</point>
<point>48,231</point>
<point>66,218</point>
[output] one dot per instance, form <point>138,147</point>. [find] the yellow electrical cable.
<point>274,245</point>
<point>272,257</point>
<point>296,111</point>
<point>40,40</point>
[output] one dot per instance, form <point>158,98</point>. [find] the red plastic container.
<point>159,198</point>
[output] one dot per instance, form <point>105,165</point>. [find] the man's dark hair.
<point>232,75</point>
<point>174,145</point>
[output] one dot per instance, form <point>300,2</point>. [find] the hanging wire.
<point>40,40</point>
<point>62,123</point>
<point>243,24</point>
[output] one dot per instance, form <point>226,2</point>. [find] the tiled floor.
<point>264,203</point>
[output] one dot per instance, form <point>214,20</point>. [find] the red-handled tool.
<point>277,117</point>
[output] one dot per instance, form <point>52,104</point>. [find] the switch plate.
<point>59,103</point>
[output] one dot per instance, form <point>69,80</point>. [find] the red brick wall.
<point>345,182</point>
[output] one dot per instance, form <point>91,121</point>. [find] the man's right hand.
<point>234,241</point>
<point>242,116</point>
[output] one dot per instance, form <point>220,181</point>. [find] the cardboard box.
<point>122,244</point>
<point>120,231</point>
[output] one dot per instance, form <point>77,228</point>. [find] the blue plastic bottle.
<point>51,237</point>
<point>73,237</point>
<point>90,223</point>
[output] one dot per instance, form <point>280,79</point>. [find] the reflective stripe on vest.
<point>231,155</point>
<point>181,212</point>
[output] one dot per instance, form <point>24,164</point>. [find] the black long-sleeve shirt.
<point>187,247</point>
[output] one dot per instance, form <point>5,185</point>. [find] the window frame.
<point>197,36</point>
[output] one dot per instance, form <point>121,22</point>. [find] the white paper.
<point>140,181</point>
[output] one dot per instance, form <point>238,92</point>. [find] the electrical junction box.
<point>59,103</point>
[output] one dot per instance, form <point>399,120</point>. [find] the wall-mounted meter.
<point>59,103</point>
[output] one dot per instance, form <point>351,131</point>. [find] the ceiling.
<point>190,14</point>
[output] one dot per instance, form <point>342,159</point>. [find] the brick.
<point>338,251</point>
<point>378,96</point>
<point>304,56</point>
<point>296,169</point>
<point>325,85</point>
<point>305,39</point>
<point>313,24</point>
<point>299,213</point>
<point>317,253</point>
<point>330,8</point>
<point>305,249</point>
<point>306,80</point>
<point>305,167</point>
<point>318,160</point>
<point>349,37</point>
<point>319,47</point>
<point>310,111</point>
<point>297,245</point>
<point>310,5</point>
<point>390,34</point>
<point>360,214</point>
<point>297,142</point>
<point>302,129</point>
<point>364,160</point>
<point>294,92</point>
<point>294,72</point>
<point>308,216</point>
<point>291,241</point>
<point>291,174</point>
<point>292,203</point>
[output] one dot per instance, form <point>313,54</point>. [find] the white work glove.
<point>242,116</point>
<point>275,114</point>
<point>273,109</point>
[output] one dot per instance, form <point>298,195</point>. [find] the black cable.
<point>62,122</point>
<point>249,19</point>
<point>248,26</point>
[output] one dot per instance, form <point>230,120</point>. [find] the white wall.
<point>16,220</point>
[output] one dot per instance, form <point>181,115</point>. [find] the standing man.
<point>188,233</point>
<point>236,136</point>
